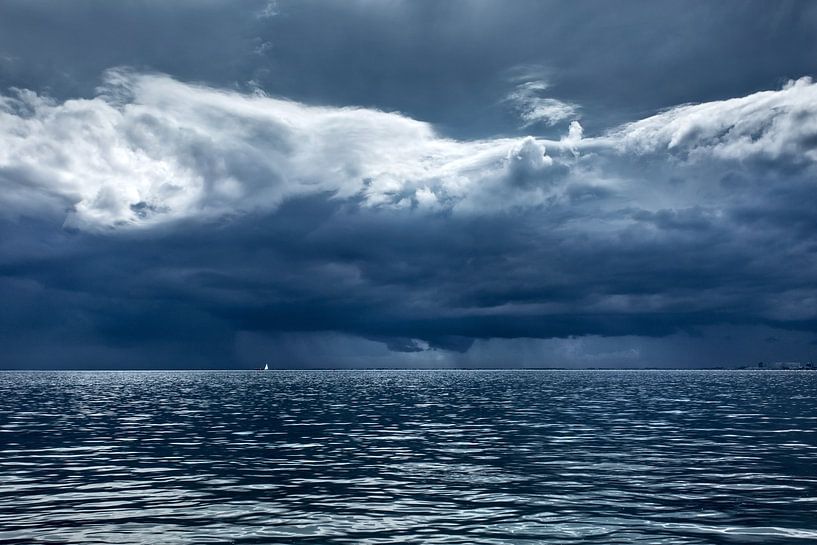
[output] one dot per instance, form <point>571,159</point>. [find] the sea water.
<point>471,457</point>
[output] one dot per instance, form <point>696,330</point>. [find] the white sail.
<point>266,367</point>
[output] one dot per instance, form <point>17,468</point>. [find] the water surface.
<point>322,457</point>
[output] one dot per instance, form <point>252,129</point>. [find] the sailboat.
<point>266,367</point>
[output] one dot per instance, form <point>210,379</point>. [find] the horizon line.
<point>240,370</point>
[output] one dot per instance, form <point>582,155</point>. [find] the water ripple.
<point>454,457</point>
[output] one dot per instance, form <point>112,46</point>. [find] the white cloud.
<point>149,149</point>
<point>574,137</point>
<point>767,124</point>
<point>528,100</point>
<point>270,9</point>
<point>426,198</point>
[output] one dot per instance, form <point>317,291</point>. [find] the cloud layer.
<point>159,214</point>
<point>148,149</point>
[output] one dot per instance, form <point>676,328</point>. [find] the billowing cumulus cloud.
<point>148,149</point>
<point>768,125</point>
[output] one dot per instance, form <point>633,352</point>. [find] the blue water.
<point>377,457</point>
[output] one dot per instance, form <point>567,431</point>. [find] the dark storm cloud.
<point>322,265</point>
<point>63,47</point>
<point>150,222</point>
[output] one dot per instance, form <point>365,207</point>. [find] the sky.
<point>360,183</point>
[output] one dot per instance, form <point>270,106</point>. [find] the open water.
<point>376,457</point>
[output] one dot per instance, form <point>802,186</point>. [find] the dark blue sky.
<point>212,184</point>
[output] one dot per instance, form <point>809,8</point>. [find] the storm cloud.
<point>165,216</point>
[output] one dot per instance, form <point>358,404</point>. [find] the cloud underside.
<point>160,209</point>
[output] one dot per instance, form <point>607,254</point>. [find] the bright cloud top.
<point>767,124</point>
<point>149,149</point>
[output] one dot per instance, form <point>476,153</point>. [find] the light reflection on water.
<point>466,457</point>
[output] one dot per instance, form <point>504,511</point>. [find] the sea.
<point>426,457</point>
